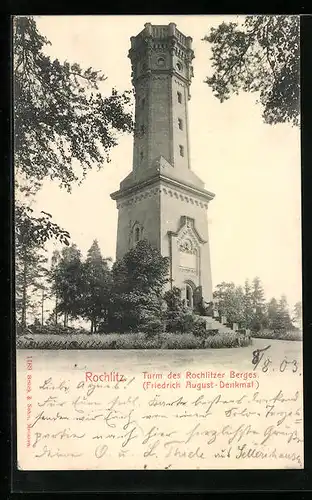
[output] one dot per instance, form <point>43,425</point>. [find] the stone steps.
<point>213,324</point>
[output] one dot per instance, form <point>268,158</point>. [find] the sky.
<point>253,168</point>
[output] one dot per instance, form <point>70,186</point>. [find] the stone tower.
<point>162,200</point>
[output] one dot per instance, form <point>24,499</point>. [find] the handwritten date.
<point>265,363</point>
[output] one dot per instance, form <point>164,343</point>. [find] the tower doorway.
<point>189,295</point>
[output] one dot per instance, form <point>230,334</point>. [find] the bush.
<point>180,341</point>
<point>131,341</point>
<point>173,300</point>
<point>132,310</point>
<point>53,330</point>
<point>199,329</point>
<point>180,322</point>
<point>279,334</point>
<point>153,327</point>
<point>221,340</point>
<point>103,327</point>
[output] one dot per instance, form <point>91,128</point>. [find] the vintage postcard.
<point>158,242</point>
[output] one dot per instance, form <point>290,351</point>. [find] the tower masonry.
<point>162,200</point>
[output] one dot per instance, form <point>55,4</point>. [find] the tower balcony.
<point>161,32</point>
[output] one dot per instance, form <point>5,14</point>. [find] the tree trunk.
<point>91,329</point>
<point>42,307</point>
<point>55,321</point>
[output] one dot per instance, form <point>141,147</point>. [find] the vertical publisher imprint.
<point>28,397</point>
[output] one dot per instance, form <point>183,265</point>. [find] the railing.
<point>160,31</point>
<point>180,37</point>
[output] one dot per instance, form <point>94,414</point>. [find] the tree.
<point>248,306</point>
<point>142,268</point>
<point>67,277</point>
<point>134,309</point>
<point>222,296</point>
<point>60,117</point>
<point>55,259</point>
<point>297,314</point>
<point>258,305</point>
<point>138,282</point>
<point>45,293</point>
<point>173,300</point>
<point>230,302</point>
<point>261,55</point>
<point>238,300</point>
<point>30,269</point>
<point>272,312</point>
<point>283,316</point>
<point>39,229</point>
<point>61,120</point>
<point>97,287</point>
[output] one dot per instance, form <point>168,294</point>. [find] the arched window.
<point>137,234</point>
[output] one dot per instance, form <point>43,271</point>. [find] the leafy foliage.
<point>247,307</point>
<point>59,115</point>
<point>177,317</point>
<point>139,278</point>
<point>32,230</point>
<point>96,287</point>
<point>82,340</point>
<point>130,311</point>
<point>297,313</point>
<point>230,302</point>
<point>258,305</point>
<point>30,268</point>
<point>278,315</point>
<point>298,310</point>
<point>284,318</point>
<point>61,123</point>
<point>142,268</point>
<point>262,56</point>
<point>273,314</point>
<point>67,278</point>
<point>173,300</point>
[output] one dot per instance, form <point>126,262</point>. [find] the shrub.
<point>180,341</point>
<point>222,340</point>
<point>279,334</point>
<point>199,329</point>
<point>56,330</point>
<point>132,341</point>
<point>153,327</point>
<point>173,300</point>
<point>180,322</point>
<point>133,309</point>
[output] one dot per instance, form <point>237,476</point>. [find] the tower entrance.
<point>189,295</point>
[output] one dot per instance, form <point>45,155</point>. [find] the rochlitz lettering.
<point>104,377</point>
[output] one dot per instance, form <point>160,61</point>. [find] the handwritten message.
<point>108,414</point>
